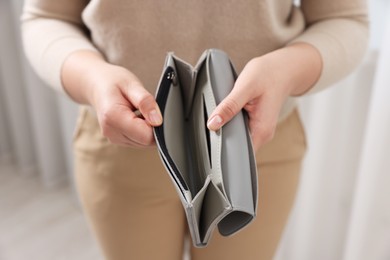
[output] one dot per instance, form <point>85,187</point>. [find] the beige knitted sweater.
<point>138,34</point>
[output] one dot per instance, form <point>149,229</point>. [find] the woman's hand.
<point>126,111</point>
<point>263,86</point>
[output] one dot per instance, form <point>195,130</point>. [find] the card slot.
<point>201,145</point>
<point>195,181</point>
<point>187,77</point>
<point>197,142</point>
<point>214,208</point>
<point>215,138</point>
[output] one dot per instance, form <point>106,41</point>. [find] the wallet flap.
<point>236,168</point>
<point>215,207</point>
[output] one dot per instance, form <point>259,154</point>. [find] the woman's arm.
<point>338,29</point>
<point>264,85</point>
<point>51,31</point>
<point>116,94</point>
<point>331,46</point>
<point>58,47</point>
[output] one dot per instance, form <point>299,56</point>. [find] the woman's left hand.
<point>264,85</point>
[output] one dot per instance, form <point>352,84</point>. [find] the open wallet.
<point>215,173</point>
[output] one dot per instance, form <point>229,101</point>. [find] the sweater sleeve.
<point>51,30</point>
<point>339,31</point>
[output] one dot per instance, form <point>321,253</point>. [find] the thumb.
<point>226,110</point>
<point>141,99</point>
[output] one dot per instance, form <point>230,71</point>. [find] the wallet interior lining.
<point>162,96</point>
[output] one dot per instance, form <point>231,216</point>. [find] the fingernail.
<point>215,123</point>
<point>155,117</point>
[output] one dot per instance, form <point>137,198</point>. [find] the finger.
<point>145,103</point>
<point>120,119</point>
<point>129,142</point>
<point>136,130</point>
<point>122,140</point>
<point>263,119</point>
<point>228,108</point>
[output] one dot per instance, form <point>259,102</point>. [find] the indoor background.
<point>342,211</point>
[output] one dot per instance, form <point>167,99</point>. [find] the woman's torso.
<point>138,34</point>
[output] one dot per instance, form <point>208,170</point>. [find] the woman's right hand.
<point>126,111</point>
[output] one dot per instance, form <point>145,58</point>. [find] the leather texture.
<point>214,173</point>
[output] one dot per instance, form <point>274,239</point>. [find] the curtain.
<point>369,232</point>
<point>341,209</point>
<point>36,123</point>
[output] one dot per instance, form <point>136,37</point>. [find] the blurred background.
<point>342,211</point>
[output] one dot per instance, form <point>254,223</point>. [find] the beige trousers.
<point>135,213</point>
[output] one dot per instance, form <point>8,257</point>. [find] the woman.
<point>108,56</point>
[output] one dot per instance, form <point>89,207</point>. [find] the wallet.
<point>214,173</point>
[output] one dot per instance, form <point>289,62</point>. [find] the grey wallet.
<point>214,173</point>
